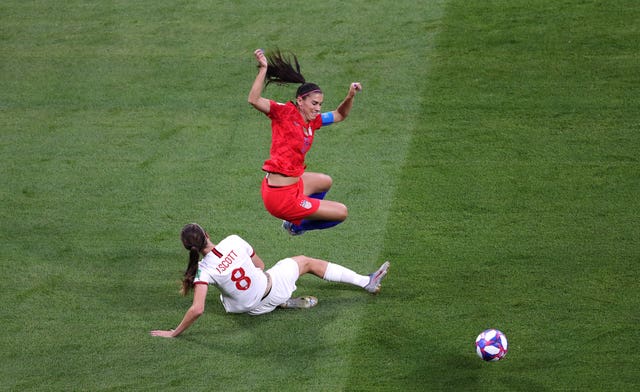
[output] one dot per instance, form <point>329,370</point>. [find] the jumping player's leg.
<point>330,213</point>
<point>316,185</point>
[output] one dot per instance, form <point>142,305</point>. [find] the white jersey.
<point>230,269</point>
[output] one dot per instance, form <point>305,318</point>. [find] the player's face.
<point>310,106</point>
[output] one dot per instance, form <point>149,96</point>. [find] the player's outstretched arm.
<point>195,311</point>
<point>255,95</point>
<point>345,106</point>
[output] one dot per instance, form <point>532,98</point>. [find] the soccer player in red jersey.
<point>288,191</point>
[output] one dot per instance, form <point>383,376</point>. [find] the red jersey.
<point>291,138</point>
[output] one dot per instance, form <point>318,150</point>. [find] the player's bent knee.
<point>338,212</point>
<point>342,212</point>
<point>323,181</point>
<point>327,181</point>
<point>303,263</point>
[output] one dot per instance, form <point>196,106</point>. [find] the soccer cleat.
<point>300,303</point>
<point>289,228</point>
<point>374,279</point>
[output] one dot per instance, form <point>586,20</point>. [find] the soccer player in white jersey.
<point>238,272</point>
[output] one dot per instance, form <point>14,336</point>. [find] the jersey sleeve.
<point>202,277</point>
<point>275,109</point>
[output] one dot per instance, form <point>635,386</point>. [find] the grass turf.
<point>517,205</point>
<point>497,169</point>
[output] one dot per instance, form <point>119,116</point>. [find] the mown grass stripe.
<point>517,209</point>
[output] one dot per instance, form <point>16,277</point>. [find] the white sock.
<point>338,273</point>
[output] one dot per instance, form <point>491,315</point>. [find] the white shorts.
<point>284,276</point>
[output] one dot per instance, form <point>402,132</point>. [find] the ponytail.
<point>283,69</point>
<point>194,240</point>
<point>190,273</point>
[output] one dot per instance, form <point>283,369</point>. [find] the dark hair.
<point>194,239</point>
<point>284,69</point>
<point>307,89</point>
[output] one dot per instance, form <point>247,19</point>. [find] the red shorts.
<point>288,202</point>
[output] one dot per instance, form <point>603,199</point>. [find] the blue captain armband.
<point>327,118</point>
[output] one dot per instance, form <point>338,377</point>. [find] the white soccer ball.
<point>491,345</point>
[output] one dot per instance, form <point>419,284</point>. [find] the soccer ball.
<point>491,345</point>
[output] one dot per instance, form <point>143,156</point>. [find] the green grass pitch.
<point>493,157</point>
